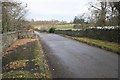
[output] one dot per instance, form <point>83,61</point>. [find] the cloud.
<point>56,9</point>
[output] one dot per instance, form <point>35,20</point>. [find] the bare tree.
<point>100,13</point>
<point>107,13</point>
<point>117,6</point>
<point>12,16</point>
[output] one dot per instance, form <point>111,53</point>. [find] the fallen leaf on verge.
<point>16,44</point>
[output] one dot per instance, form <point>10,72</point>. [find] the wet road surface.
<point>71,59</point>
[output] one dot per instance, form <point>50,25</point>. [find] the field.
<point>64,26</point>
<point>56,26</point>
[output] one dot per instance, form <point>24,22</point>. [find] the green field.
<point>64,26</point>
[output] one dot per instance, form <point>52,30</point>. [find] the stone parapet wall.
<point>26,34</point>
<point>112,35</point>
<point>7,39</point>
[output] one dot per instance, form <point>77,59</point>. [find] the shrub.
<point>52,30</point>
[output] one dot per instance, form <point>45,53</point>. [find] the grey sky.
<point>56,9</point>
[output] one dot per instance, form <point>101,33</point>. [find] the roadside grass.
<point>41,61</point>
<point>24,62</point>
<point>20,74</point>
<point>110,46</point>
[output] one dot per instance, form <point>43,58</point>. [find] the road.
<point>71,59</point>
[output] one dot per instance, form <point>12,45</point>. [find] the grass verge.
<point>41,61</point>
<point>110,46</point>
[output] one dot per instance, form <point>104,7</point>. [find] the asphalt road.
<point>71,59</point>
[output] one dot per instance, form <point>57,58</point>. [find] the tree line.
<point>102,14</point>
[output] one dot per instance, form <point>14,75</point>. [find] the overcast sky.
<point>56,9</point>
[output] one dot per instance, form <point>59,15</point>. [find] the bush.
<point>52,30</point>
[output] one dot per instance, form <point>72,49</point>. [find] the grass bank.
<point>23,60</point>
<point>110,46</point>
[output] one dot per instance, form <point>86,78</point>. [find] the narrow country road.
<point>71,59</point>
